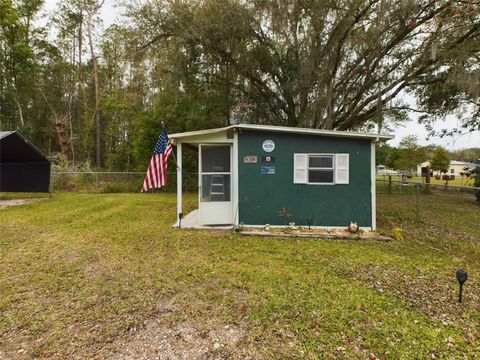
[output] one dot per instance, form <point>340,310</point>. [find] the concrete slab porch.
<point>192,221</point>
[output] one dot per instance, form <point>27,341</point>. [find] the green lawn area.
<point>78,272</point>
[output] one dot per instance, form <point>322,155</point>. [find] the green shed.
<point>254,174</point>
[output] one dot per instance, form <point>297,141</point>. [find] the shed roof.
<point>456,162</point>
<point>5,133</point>
<point>471,165</point>
<point>285,129</point>
<point>16,148</point>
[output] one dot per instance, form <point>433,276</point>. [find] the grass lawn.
<point>79,272</point>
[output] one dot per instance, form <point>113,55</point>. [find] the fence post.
<point>389,184</point>
<point>96,182</point>
<point>52,179</point>
<point>417,193</point>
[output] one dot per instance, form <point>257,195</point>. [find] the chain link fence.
<point>131,182</point>
<point>114,182</point>
<point>419,194</point>
<point>389,186</point>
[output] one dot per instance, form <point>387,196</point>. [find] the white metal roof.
<point>5,133</point>
<point>285,129</point>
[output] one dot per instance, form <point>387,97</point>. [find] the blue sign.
<point>268,170</point>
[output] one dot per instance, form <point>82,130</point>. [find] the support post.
<point>96,182</point>
<point>427,180</point>
<point>389,184</point>
<point>179,183</point>
<point>373,179</point>
<point>417,193</point>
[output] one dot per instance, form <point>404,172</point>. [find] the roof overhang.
<point>283,129</point>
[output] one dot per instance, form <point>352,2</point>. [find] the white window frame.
<point>321,168</point>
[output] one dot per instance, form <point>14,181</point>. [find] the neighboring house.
<point>456,168</point>
<point>23,167</point>
<point>249,173</point>
<point>472,166</point>
<point>382,170</point>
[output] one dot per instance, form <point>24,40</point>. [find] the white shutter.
<point>342,168</point>
<point>300,172</point>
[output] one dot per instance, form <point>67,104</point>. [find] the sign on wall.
<point>250,159</point>
<point>268,146</point>
<point>268,170</point>
<point>268,159</point>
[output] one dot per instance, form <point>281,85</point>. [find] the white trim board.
<point>373,185</point>
<point>280,129</point>
<point>235,181</point>
<point>179,180</point>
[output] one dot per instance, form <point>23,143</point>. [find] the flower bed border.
<point>376,237</point>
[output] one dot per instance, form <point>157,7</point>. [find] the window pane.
<point>215,158</point>
<point>215,187</point>
<point>320,161</point>
<point>320,176</point>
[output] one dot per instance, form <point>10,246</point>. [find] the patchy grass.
<point>10,196</point>
<point>78,272</point>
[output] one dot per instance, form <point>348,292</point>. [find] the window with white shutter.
<point>299,168</point>
<point>327,169</point>
<point>342,168</point>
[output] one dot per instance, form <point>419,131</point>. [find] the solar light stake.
<point>462,276</point>
<point>309,222</point>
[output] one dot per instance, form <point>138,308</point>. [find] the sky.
<point>111,14</point>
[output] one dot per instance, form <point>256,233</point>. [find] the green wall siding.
<point>261,196</point>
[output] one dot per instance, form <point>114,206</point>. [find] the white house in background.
<point>382,170</point>
<point>455,168</point>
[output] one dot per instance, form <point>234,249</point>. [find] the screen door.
<point>215,190</point>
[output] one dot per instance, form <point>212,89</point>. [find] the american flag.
<point>157,170</point>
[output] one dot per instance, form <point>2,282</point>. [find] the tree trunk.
<point>61,127</point>
<point>20,112</point>
<point>80,42</point>
<point>97,90</point>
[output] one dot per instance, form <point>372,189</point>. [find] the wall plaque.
<point>268,146</point>
<point>250,159</point>
<point>268,170</point>
<point>268,159</point>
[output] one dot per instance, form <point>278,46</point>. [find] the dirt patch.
<point>162,338</point>
<point>13,202</point>
<point>185,340</point>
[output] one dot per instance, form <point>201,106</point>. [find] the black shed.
<point>23,167</point>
